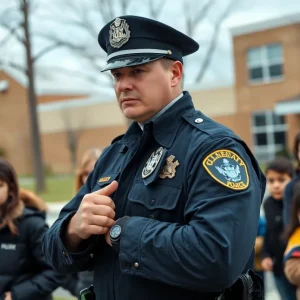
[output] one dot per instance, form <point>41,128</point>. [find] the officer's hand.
<point>267,264</point>
<point>8,296</point>
<point>95,214</point>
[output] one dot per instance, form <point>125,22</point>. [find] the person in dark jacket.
<point>289,190</point>
<point>24,273</point>
<point>171,208</point>
<point>278,172</point>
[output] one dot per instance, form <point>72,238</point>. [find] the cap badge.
<point>119,33</point>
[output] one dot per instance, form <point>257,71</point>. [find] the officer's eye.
<point>116,75</point>
<point>137,71</point>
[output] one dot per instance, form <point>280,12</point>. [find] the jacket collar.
<point>164,126</point>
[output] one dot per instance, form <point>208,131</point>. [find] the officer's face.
<point>144,90</point>
<point>276,183</point>
<point>3,192</point>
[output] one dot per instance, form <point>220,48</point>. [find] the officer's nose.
<point>124,84</point>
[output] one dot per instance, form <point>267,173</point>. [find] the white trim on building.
<point>266,25</point>
<point>288,107</point>
<point>75,103</point>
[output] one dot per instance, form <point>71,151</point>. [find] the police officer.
<point>171,209</point>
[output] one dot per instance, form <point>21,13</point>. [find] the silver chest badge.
<point>152,162</point>
<point>119,33</point>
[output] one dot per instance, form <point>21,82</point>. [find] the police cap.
<point>132,40</point>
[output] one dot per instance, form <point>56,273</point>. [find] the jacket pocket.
<point>158,201</point>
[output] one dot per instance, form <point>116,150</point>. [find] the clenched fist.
<point>95,216</point>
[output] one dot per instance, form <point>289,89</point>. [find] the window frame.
<point>265,63</point>
<point>270,128</point>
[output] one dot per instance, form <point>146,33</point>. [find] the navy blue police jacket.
<point>194,212</point>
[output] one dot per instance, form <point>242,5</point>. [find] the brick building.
<point>267,84</point>
<point>15,140</point>
<point>263,106</point>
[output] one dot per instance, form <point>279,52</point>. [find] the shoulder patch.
<point>227,168</point>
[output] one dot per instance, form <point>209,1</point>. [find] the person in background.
<point>288,193</point>
<point>75,282</point>
<point>86,166</point>
<point>258,246</point>
<point>292,253</point>
<point>24,273</point>
<point>278,173</point>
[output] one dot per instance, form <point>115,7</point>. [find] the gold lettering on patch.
<point>233,175</point>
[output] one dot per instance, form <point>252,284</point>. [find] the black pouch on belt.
<point>249,286</point>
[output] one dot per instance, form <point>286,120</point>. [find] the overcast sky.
<point>220,71</point>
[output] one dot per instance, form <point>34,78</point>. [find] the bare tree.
<point>15,19</point>
<point>73,133</point>
<point>20,29</point>
<point>195,13</point>
<point>82,18</point>
<point>156,9</point>
<point>192,24</point>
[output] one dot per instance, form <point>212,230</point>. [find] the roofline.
<point>267,24</point>
<point>72,103</point>
<point>10,73</point>
<point>46,91</point>
<point>209,87</point>
<point>62,92</point>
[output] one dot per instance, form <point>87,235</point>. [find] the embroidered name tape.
<point>104,179</point>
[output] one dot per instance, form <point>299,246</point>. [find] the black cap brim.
<point>130,61</point>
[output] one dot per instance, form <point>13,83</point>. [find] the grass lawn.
<point>58,189</point>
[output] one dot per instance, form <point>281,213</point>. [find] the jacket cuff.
<point>130,244</point>
<point>86,246</point>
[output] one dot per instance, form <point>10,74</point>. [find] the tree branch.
<point>13,31</point>
<point>56,40</point>
<point>8,36</point>
<point>192,22</point>
<point>88,77</point>
<point>202,12</point>
<point>13,65</point>
<point>213,42</point>
<point>45,50</point>
<point>155,11</point>
<point>124,5</point>
<point>7,11</point>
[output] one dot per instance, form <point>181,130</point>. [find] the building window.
<point>269,134</point>
<point>265,64</point>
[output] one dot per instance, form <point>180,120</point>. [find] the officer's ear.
<point>177,73</point>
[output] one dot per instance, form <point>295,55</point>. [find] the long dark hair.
<point>294,219</point>
<point>296,149</point>
<point>13,205</point>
